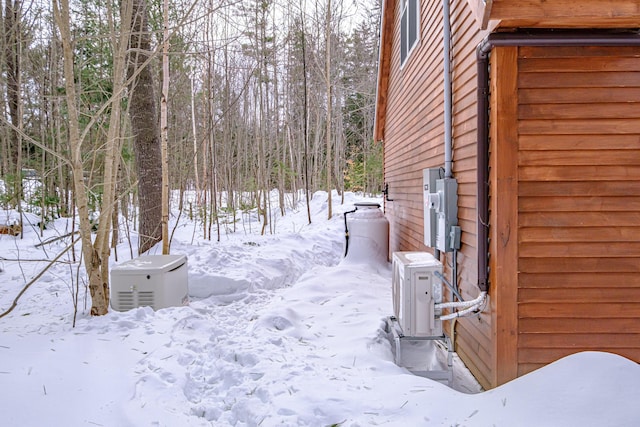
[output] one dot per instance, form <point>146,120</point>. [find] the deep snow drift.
<point>278,332</point>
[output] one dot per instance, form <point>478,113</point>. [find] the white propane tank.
<point>367,235</point>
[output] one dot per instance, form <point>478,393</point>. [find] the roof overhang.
<point>384,65</point>
<point>559,13</point>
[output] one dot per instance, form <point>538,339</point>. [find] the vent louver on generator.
<point>157,281</point>
<point>416,290</point>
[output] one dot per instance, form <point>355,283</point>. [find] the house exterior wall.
<point>414,140</point>
<point>564,180</point>
<point>578,202</point>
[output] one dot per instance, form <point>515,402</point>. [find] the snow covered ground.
<point>279,331</point>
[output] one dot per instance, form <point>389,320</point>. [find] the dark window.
<point>409,28</point>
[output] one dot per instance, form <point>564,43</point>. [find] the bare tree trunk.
<point>164,128</point>
<point>115,235</point>
<point>339,149</point>
<point>144,123</point>
<point>329,104</point>
<point>207,174</point>
<point>317,149</point>
<point>12,62</point>
<point>195,140</point>
<point>91,255</point>
<point>5,147</point>
<point>305,115</point>
<point>13,48</point>
<point>64,190</point>
<point>113,148</point>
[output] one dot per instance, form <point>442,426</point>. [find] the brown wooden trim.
<point>583,142</point>
<point>584,341</point>
<point>580,111</point>
<point>546,355</point>
<point>572,52</point>
<point>579,79</point>
<point>608,311</point>
<point>566,295</point>
<point>578,280</point>
<point>580,158</point>
<point>596,264</point>
<point>579,65</point>
<point>384,67</point>
<point>579,95</point>
<point>580,326</point>
<point>567,250</point>
<point>504,213</point>
<point>580,173</point>
<point>571,23</point>
<point>581,204</point>
<point>580,233</point>
<point>566,13</point>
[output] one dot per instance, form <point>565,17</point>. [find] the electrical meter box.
<point>157,281</point>
<point>416,290</point>
<point>441,229</point>
<point>430,176</point>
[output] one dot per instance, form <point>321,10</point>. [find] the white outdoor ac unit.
<point>416,290</point>
<point>157,281</point>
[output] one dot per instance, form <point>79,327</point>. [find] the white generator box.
<point>416,290</point>
<point>157,281</point>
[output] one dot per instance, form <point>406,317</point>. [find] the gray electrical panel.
<point>440,211</point>
<point>447,213</point>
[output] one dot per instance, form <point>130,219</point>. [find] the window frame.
<point>409,29</point>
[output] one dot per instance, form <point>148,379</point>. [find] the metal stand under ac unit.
<point>416,292</point>
<point>395,329</point>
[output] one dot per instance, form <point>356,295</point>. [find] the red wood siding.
<point>564,180</point>
<point>414,140</point>
<point>578,203</point>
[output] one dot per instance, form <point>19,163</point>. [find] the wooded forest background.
<point>238,98</point>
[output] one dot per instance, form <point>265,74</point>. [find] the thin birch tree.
<point>92,262</point>
<point>164,127</point>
